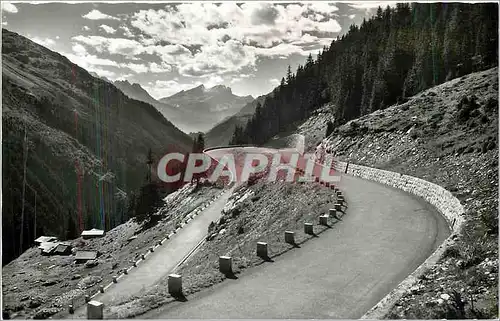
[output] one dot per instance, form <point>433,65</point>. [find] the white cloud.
<point>275,82</point>
<point>351,16</point>
<point>261,23</point>
<point>57,37</point>
<point>97,15</point>
<point>87,61</point>
<point>308,40</point>
<point>205,38</point>
<point>79,49</point>
<point>4,23</point>
<point>372,5</point>
<point>124,77</point>
<point>9,7</point>
<point>91,62</point>
<point>281,50</point>
<point>127,32</point>
<point>46,42</point>
<point>108,29</point>
<point>323,7</point>
<point>104,73</point>
<point>240,78</point>
<point>121,46</point>
<point>220,58</point>
<point>165,88</point>
<point>227,57</point>
<point>213,81</point>
<point>159,68</point>
<point>85,28</point>
<point>137,68</point>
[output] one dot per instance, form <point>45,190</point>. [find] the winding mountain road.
<point>163,261</point>
<point>385,235</point>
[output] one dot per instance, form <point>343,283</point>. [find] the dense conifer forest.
<point>396,54</point>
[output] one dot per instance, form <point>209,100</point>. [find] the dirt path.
<point>342,273</point>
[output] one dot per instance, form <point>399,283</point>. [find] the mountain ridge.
<point>221,133</point>
<point>75,124</point>
<point>206,107</point>
<point>193,110</point>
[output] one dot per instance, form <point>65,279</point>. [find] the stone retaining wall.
<point>443,200</point>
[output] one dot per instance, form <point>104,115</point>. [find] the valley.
<point>397,105</point>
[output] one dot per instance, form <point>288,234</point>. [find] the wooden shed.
<point>44,239</point>
<point>88,234</point>
<point>84,256</point>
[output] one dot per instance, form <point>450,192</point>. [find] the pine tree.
<point>289,75</point>
<point>147,203</point>
<point>200,143</point>
<point>309,61</point>
<point>195,145</point>
<point>149,163</point>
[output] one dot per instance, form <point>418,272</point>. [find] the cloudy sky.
<point>168,47</point>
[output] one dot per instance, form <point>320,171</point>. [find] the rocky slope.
<point>75,123</point>
<point>447,135</point>
<point>36,286</point>
<point>249,216</point>
<point>180,118</point>
<point>205,107</point>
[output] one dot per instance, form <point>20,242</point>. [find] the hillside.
<point>75,123</point>
<point>205,107</point>
<point>249,216</point>
<point>447,135</point>
<point>392,56</point>
<point>135,91</point>
<point>36,286</point>
<point>177,116</point>
<point>221,133</point>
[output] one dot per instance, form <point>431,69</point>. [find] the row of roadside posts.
<point>95,309</point>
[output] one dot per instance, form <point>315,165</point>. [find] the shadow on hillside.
<point>267,258</point>
<point>179,297</point>
<point>231,275</point>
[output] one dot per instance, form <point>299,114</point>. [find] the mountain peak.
<point>125,82</point>
<point>220,89</point>
<point>135,91</point>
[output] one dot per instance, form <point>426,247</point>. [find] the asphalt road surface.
<point>165,258</point>
<point>384,236</point>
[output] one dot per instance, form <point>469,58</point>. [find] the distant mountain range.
<point>215,111</point>
<point>221,133</point>
<point>194,110</point>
